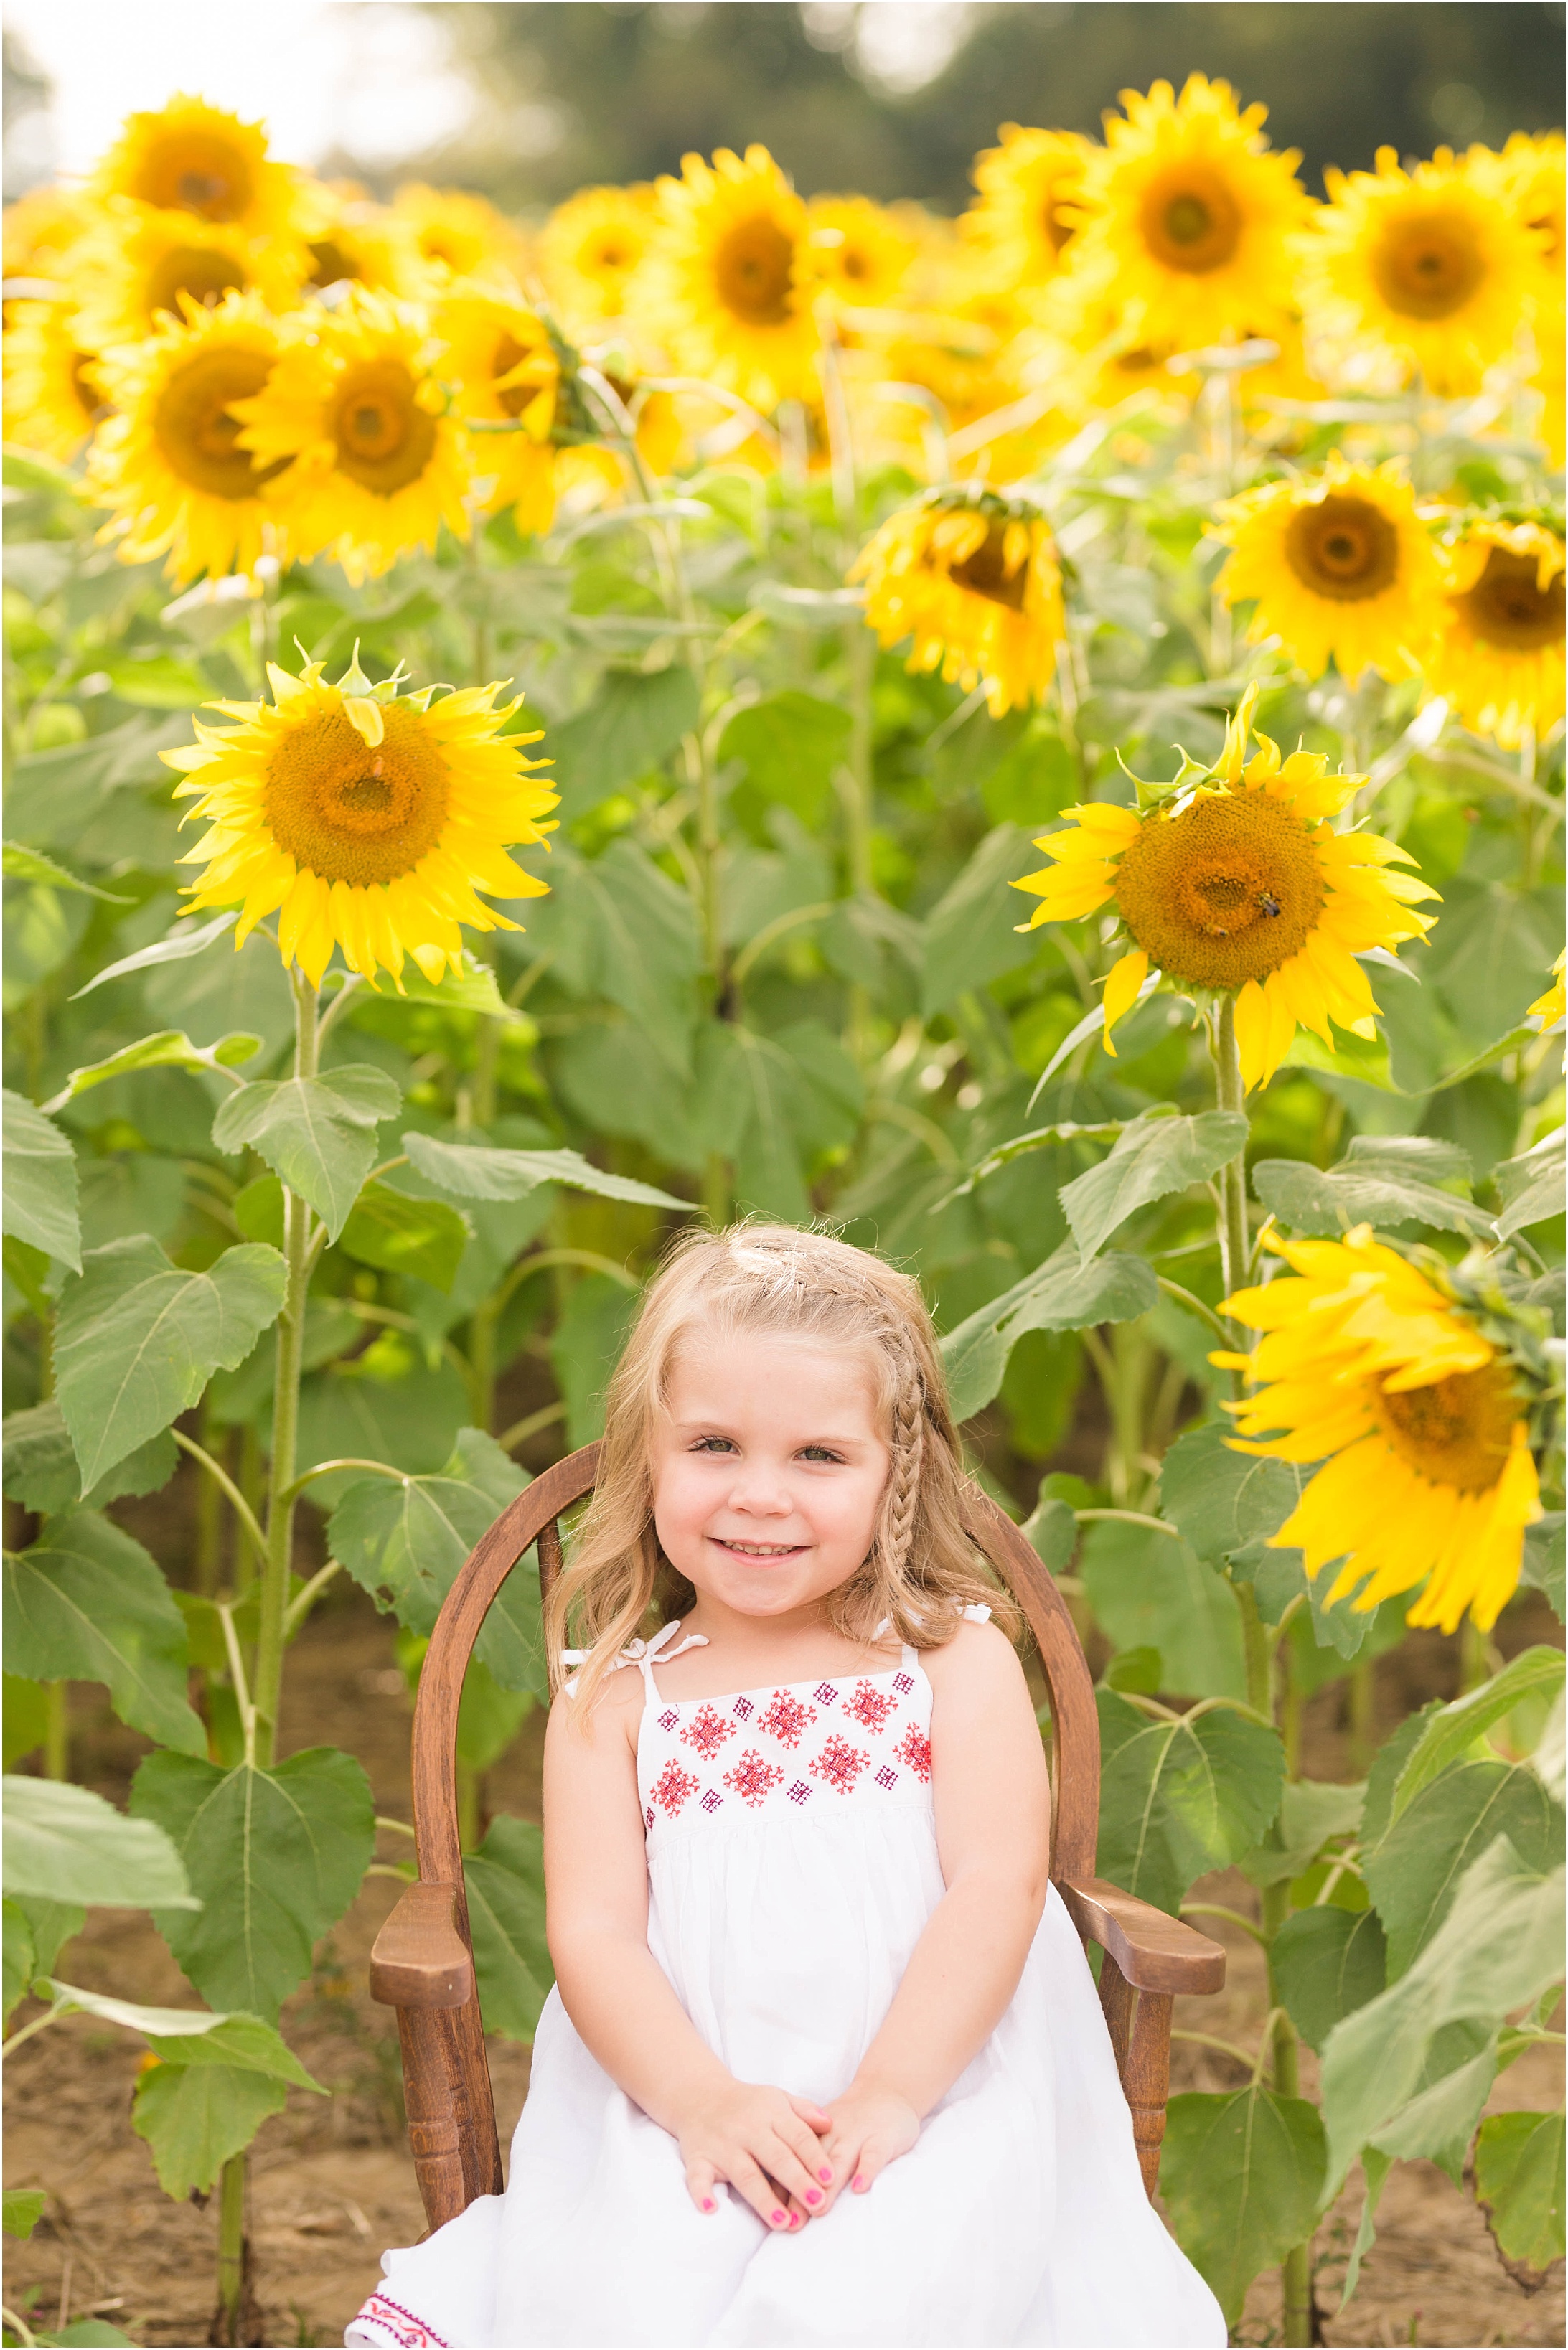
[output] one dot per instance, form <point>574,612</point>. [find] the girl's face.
<point>768,1471</point>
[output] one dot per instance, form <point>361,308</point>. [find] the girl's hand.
<point>870,2129</point>
<point>765,2144</point>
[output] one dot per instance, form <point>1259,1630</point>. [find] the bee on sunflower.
<point>498,355</point>
<point>590,250</point>
<point>973,578</point>
<point>194,159</point>
<point>1023,221</point>
<point>364,818</point>
<point>53,396</point>
<point>1231,883</point>
<point>1498,656</point>
<point>728,277</point>
<point>137,269</point>
<point>1341,567</point>
<point>1414,1391</point>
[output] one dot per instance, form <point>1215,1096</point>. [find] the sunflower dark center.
<point>1344,549</point>
<point>89,400</point>
<point>1192,220</point>
<point>351,814</point>
<point>754,271</point>
<point>985,573</point>
<point>1057,230</point>
<point>1225,891</point>
<point>385,439</point>
<point>1428,267</point>
<point>1455,1432</point>
<point>509,353</point>
<point>329,264</point>
<point>1508,607</point>
<point>198,270</point>
<point>191,171</point>
<point>195,433</point>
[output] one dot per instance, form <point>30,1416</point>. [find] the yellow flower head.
<point>1529,176</point>
<point>459,235</point>
<point>168,463</point>
<point>1427,1472</point>
<point>1187,213</point>
<point>1341,567</point>
<point>1431,267</point>
<point>137,269</point>
<point>591,249</point>
<point>41,227</point>
<point>363,818</point>
<point>857,254</point>
<point>1234,882</point>
<point>355,242</point>
<point>498,356</point>
<point>1498,657</point>
<point>191,157</point>
<point>975,582</point>
<point>1023,220</point>
<point>728,277</point>
<point>378,464</point>
<point>53,396</point>
<point>1552,1007</point>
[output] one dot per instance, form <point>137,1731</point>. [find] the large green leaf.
<point>41,1469</point>
<point>399,1234</point>
<point>171,1048</point>
<point>1181,1795</point>
<point>185,939</point>
<point>471,1171</point>
<point>1536,1672</point>
<point>64,1844</point>
<point>23,2207</point>
<point>1313,1813</point>
<point>1241,2175</point>
<point>1383,1180</point>
<point>87,1603</point>
<point>586,1347</point>
<point>1437,2120</point>
<point>318,1133</point>
<point>1326,1964</point>
<point>1487,954</point>
<point>1544,1558</point>
<point>1531,1187</point>
<point>1415,1872</point>
<point>1222,1499</point>
<point>195,2035</point>
<point>619,928</point>
<point>1519,2186</point>
<point>966,944</point>
<point>1154,1156</point>
<point>194,2116</point>
<point>35,1931</point>
<point>1149,1591</point>
<point>407,1415</point>
<point>1063,1294</point>
<point>505,1881</point>
<point>632,723</point>
<point>138,1338</point>
<point>38,1191</point>
<point>243,988</point>
<point>277,1857</point>
<point>791,742</point>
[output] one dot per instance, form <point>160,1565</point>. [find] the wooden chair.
<point>422,1962</point>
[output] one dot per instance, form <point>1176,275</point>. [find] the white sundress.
<point>792,1861</point>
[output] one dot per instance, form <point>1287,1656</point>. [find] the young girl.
<point>824,2062</point>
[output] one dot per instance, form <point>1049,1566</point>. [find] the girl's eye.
<point>712,1444</point>
<point>818,1452</point>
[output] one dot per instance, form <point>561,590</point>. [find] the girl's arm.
<point>993,1802</point>
<point>759,2139</point>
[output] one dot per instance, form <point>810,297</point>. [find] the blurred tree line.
<point>619,89</point>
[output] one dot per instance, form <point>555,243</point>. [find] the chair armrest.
<point>1153,1951</point>
<point>419,1958</point>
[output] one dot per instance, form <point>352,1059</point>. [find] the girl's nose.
<point>760,1491</point>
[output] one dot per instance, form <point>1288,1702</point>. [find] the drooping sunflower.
<point>1417,1416</point>
<point>974,579</point>
<point>498,355</point>
<point>459,236</point>
<point>857,253</point>
<point>1233,881</point>
<point>1498,657</point>
<point>168,464</point>
<point>1431,267</point>
<point>379,461</point>
<point>728,277</point>
<point>134,270</point>
<point>1341,567</point>
<point>192,157</point>
<point>1022,221</point>
<point>1187,214</point>
<point>53,396</point>
<point>364,818</point>
<point>591,249</point>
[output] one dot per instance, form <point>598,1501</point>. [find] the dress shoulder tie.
<point>636,1652</point>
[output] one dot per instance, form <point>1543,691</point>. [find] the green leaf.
<point>621,929</point>
<point>194,2035</point>
<point>1487,954</point>
<point>1531,1187</point>
<point>1415,1872</point>
<point>69,1845</point>
<point>1052,1527</point>
<point>41,1469</point>
<point>470,1171</point>
<point>1374,2169</point>
<point>20,1959</point>
<point>1039,1137</point>
<point>1326,1964</point>
<point>276,1856</point>
<point>38,1201</point>
<point>22,2210</point>
<point>967,942</point>
<point>631,727</point>
<point>170,1049</point>
<point>185,939</point>
<point>31,865</point>
<point>1448,1733</point>
<point>1519,2186</point>
<point>138,1338</point>
<point>1149,1591</point>
<point>791,742</point>
<point>472,989</point>
<point>1312,1811</point>
<point>488,1716</point>
<point>1438,2120</point>
<point>408,1416</point>
<point>1543,1558</point>
<point>584,1349</point>
<point>43,1928</point>
<point>505,1881</point>
<point>1179,1797</point>
<point>1241,2175</point>
<point>25,1718</point>
<point>194,2116</point>
<point>1383,1180</point>
<point>318,1133</point>
<point>1152,1157</point>
<point>1222,1499</point>
<point>1063,1294</point>
<point>87,1603</point>
<point>403,1541</point>
<point>86,2333</point>
<point>399,1234</point>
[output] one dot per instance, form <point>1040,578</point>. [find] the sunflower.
<point>357,242</point>
<point>1427,1476</point>
<point>1188,218</point>
<point>498,354</point>
<point>1498,657</point>
<point>1234,882</point>
<point>459,235</point>
<point>1529,174</point>
<point>193,158</point>
<point>728,277</point>
<point>975,581</point>
<point>1430,268</point>
<point>1341,567</point>
<point>1022,223</point>
<point>41,227</point>
<point>379,462</point>
<point>857,254</point>
<point>591,249</point>
<point>363,818</point>
<point>168,463</point>
<point>1552,1007</point>
<point>137,268</point>
<point>53,396</point>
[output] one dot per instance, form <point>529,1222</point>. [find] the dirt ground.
<point>332,2183</point>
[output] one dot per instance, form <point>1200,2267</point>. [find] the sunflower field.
<point>1036,740</point>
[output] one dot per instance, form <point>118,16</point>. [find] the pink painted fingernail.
<point>826,2177</point>
<point>859,2184</point>
<point>813,2194</point>
<point>794,2218</point>
<point>709,2204</point>
<point>780,2219</point>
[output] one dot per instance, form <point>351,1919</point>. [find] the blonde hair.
<point>922,1566</point>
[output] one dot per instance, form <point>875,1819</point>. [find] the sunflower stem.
<point>1230,1093</point>
<point>290,1343</point>
<point>233,2182</point>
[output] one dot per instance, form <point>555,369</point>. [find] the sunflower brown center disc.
<point>385,439</point>
<point>1342,548</point>
<point>755,262</point>
<point>984,573</point>
<point>1224,893</point>
<point>195,432</point>
<point>1508,608</point>
<point>351,814</point>
<point>196,173</point>
<point>194,269</point>
<point>1191,221</point>
<point>1455,1432</point>
<point>1428,268</point>
<point>513,398</point>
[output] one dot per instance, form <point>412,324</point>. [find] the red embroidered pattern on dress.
<point>753,1777</point>
<point>410,2333</point>
<point>785,1717</point>
<point>672,1787</point>
<point>870,1707</point>
<point>887,1778</point>
<point>903,1684</point>
<point>839,1763</point>
<point>742,1708</point>
<point>824,1693</point>
<point>915,1749</point>
<point>707,1733</point>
